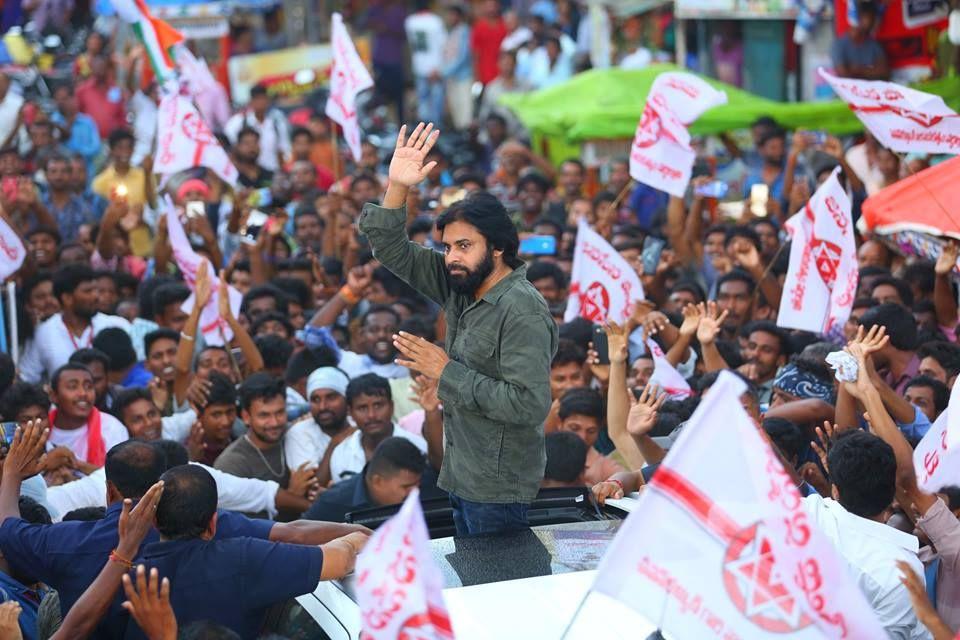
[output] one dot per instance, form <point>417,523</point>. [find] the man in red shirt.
<point>488,32</point>
<point>101,99</point>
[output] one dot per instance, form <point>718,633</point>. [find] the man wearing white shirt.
<point>371,408</point>
<point>75,423</point>
<point>377,328</point>
<point>863,470</point>
<point>427,35</point>
<point>270,123</point>
<point>75,287</point>
<point>313,440</point>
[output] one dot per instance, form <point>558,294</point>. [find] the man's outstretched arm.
<point>384,226</point>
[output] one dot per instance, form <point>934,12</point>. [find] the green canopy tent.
<point>606,105</point>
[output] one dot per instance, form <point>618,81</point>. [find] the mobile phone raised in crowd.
<point>6,436</point>
<point>255,222</point>
<point>816,137</point>
<point>650,257</point>
<point>600,344</point>
<point>759,195</point>
<point>260,198</point>
<point>195,209</point>
<point>713,189</point>
<point>538,246</point>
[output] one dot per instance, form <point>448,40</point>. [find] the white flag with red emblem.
<point>665,374</point>
<point>184,140</point>
<point>602,284</point>
<point>399,587</point>
<point>12,251</point>
<point>721,546</point>
<point>901,119</point>
<point>215,330</point>
<point>661,155</point>
<point>936,459</point>
<point>348,77</point>
<point>822,279</point>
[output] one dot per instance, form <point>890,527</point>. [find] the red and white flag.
<point>936,459</point>
<point>348,77</point>
<point>721,546</point>
<point>12,251</point>
<point>661,155</point>
<point>901,119</point>
<point>602,284</point>
<point>399,588</point>
<point>215,330</point>
<point>184,140</point>
<point>665,375</point>
<point>822,279</point>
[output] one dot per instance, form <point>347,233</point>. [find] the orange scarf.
<point>96,448</point>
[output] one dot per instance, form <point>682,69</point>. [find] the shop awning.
<point>925,203</point>
<point>606,104</point>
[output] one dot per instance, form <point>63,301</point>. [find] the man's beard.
<point>85,313</point>
<point>468,283</point>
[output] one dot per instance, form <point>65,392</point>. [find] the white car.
<point>525,585</point>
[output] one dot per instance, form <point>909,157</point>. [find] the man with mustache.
<point>313,440</point>
<point>494,374</point>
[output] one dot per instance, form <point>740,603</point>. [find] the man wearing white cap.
<point>314,439</point>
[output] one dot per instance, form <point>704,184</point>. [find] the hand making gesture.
<point>406,167</point>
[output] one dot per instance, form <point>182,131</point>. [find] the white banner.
<point>902,119</point>
<point>12,251</point>
<point>399,588</point>
<point>602,284</point>
<point>822,278</point>
<point>348,77</point>
<point>665,375</point>
<point>215,329</point>
<point>661,155</point>
<point>721,546</point>
<point>936,459</point>
<point>184,140</point>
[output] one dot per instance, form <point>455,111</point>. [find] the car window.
<point>296,624</point>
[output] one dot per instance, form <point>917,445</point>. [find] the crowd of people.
<point>396,333</point>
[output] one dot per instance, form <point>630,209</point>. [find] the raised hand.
<point>947,261</point>
<point>691,320</point>
<point>406,167</point>
<point>135,524</point>
<point>711,322</point>
<point>203,287</point>
<point>10,620</point>
<point>821,446</point>
<point>194,443</point>
<point>426,393</point>
<point>924,609</point>
<point>359,278</point>
<point>617,338</point>
<point>644,411</point>
<point>654,323</point>
<point>420,355</point>
<point>149,604</point>
<point>223,300</point>
<point>26,456</point>
<point>746,254</point>
<point>302,480</point>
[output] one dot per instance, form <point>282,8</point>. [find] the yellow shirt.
<point>105,184</point>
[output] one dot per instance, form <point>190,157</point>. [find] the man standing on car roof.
<point>494,375</point>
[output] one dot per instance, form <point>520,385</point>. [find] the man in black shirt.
<point>245,154</point>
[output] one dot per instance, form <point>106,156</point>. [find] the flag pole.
<point>12,313</point>
<point>335,140</point>
<point>623,192</point>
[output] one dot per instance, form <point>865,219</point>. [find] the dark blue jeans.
<point>488,517</point>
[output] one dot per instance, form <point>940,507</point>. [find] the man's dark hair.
<point>582,402</point>
<point>70,366</point>
<point>420,225</point>
<point>85,514</point>
<point>90,355</point>
<point>117,136</point>
<point>899,321</point>
<point>167,294</point>
<point>133,467</point>
<point>540,269</point>
<point>308,360</point>
<point>737,275</point>
<point>34,281</point>
<point>419,325</point>
<point>394,455</point>
<point>787,436</point>
<point>691,287</point>
<point>922,275</point>
<point>272,316</point>
<point>275,350</point>
<point>127,397</point>
<point>903,289</point>
<point>260,386</point>
<point>21,395</point>
<point>870,271</point>
<point>941,394</point>
<point>369,384</point>
<point>864,471</point>
<point>116,343</point>
<point>947,355</point>
<point>145,293</point>
<point>33,512</point>
<point>159,334</point>
<point>188,502</point>
<point>44,229</point>
<point>8,372</point>
<point>392,284</point>
<point>483,211</point>
<point>295,289</point>
<point>566,457</point>
<point>222,391</point>
<point>301,131</point>
<point>772,134</point>
<point>771,328</point>
<point>265,291</point>
<point>173,452</point>
<point>258,90</point>
<point>67,278</point>
<point>568,351</point>
<point>536,179</point>
<point>745,232</point>
<point>766,122</point>
<point>364,176</point>
<point>247,131</point>
<point>380,308</point>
